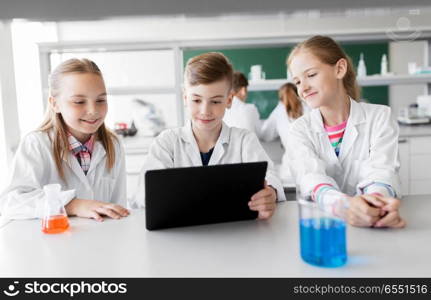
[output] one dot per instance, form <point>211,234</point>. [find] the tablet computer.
<point>201,195</point>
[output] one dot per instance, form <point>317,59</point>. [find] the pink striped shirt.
<point>335,134</point>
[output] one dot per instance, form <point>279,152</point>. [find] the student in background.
<point>205,139</point>
<point>242,114</point>
<point>73,148</point>
<point>288,109</point>
<point>342,149</point>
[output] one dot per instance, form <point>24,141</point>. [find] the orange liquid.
<point>55,224</point>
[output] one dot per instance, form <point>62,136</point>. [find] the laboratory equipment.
<point>322,231</point>
<point>362,69</point>
<point>55,218</point>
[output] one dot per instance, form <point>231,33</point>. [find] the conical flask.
<point>55,218</point>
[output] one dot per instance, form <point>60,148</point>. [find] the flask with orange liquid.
<point>55,218</point>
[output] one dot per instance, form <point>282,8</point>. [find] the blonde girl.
<point>342,149</point>
<point>73,148</point>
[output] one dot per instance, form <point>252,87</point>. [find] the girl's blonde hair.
<point>54,124</point>
<point>329,52</point>
<point>288,95</point>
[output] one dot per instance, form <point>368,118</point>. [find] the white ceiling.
<point>55,10</point>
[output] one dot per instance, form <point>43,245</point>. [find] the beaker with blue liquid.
<point>322,234</point>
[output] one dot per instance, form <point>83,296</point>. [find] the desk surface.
<point>123,248</point>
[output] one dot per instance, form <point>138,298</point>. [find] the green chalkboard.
<point>372,56</point>
<point>273,61</point>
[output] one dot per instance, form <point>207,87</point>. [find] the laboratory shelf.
<point>373,80</point>
<point>133,90</point>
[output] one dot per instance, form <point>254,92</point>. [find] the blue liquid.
<point>323,242</point>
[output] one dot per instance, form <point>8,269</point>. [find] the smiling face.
<point>207,103</point>
<point>82,102</point>
<point>318,83</point>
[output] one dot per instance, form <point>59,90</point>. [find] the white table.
<point>124,248</point>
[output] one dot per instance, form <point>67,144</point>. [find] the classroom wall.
<point>30,101</point>
<point>359,21</point>
<point>273,64</point>
<point>179,28</point>
<point>9,132</point>
<point>403,52</point>
<point>354,22</point>
<point>273,61</point>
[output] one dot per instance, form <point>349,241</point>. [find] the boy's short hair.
<point>208,68</point>
<point>239,81</point>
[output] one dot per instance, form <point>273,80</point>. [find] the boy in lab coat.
<point>242,114</point>
<point>206,139</point>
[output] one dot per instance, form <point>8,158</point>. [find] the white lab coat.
<point>34,166</point>
<point>175,148</point>
<point>368,153</point>
<point>278,125</point>
<point>243,115</point>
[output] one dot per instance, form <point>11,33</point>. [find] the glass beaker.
<point>322,234</point>
<point>55,218</point>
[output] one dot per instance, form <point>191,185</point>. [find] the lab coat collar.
<point>71,161</point>
<point>219,147</point>
<point>193,152</point>
<point>96,157</point>
<point>356,116</point>
<point>224,134</point>
<point>316,121</point>
<point>187,135</point>
<point>73,164</point>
